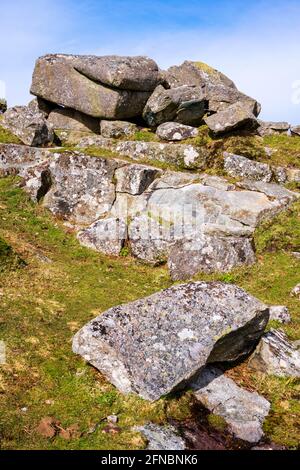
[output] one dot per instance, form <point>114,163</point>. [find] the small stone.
<point>172,131</point>
<point>293,175</point>
<point>296,254</point>
<point>296,291</point>
<point>243,411</point>
<point>280,314</point>
<point>161,437</point>
<point>273,128</point>
<point>112,419</point>
<point>105,235</point>
<point>117,129</point>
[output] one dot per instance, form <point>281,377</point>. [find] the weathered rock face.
<point>38,105</point>
<point>243,411</point>
<point>3,105</point>
<point>68,119</point>
<point>116,129</point>
<point>83,188</point>
<point>173,131</point>
<point>196,74</point>
<point>186,105</point>
<point>135,179</point>
<point>235,116</point>
<point>209,254</point>
<point>105,235</point>
<point>154,345</point>
<point>31,128</point>
<point>238,166</point>
<point>273,128</point>
<point>275,355</point>
<point>161,437</point>
<point>15,159</point>
<point>56,79</point>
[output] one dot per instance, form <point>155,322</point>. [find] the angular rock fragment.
<point>209,254</point>
<point>31,128</point>
<point>234,117</point>
<point>244,411</point>
<point>293,175</point>
<point>161,437</point>
<point>173,131</point>
<point>135,179</point>
<point>296,291</point>
<point>238,166</point>
<point>155,345</point>
<point>57,80</point>
<point>117,129</point>
<point>196,74</point>
<point>38,105</point>
<point>280,313</point>
<point>282,195</point>
<point>296,130</point>
<point>68,119</point>
<point>105,235</point>
<point>273,128</point>
<point>275,355</point>
<point>186,105</point>
<point>220,97</point>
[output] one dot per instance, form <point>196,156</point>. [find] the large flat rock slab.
<point>57,80</point>
<point>157,344</point>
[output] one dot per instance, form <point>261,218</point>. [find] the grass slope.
<point>44,304</point>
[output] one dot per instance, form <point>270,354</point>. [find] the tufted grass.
<point>44,304</point>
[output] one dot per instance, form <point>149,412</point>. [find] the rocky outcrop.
<point>117,129</point>
<point>194,222</point>
<point>235,116</point>
<point>68,119</point>
<point>172,131</point>
<point>61,79</point>
<point>275,355</point>
<point>31,127</point>
<point>154,345</point>
<point>243,411</point>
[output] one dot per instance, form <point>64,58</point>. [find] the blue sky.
<point>256,43</point>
